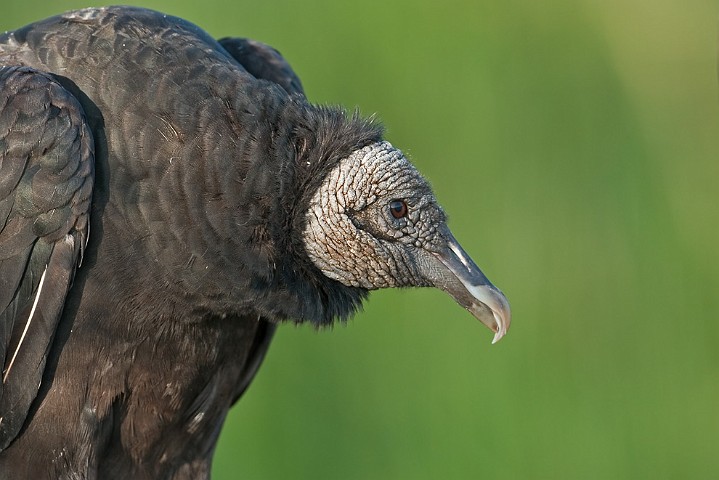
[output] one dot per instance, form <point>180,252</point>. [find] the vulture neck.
<point>258,265</point>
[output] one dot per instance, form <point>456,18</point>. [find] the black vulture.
<point>166,200</point>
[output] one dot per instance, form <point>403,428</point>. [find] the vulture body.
<point>165,201</point>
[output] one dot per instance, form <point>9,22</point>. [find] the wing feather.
<point>263,62</point>
<point>46,179</point>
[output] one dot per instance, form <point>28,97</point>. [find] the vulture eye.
<point>398,208</point>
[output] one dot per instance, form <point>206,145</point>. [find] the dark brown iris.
<point>398,208</point>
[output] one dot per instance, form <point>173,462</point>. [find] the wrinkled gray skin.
<point>352,236</point>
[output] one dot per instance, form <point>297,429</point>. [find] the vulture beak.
<point>465,282</point>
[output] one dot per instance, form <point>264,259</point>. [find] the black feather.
<point>206,156</point>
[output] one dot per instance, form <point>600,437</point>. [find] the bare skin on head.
<point>375,223</point>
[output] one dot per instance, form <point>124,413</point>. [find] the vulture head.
<point>375,223</point>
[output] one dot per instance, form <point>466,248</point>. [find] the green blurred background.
<point>574,145</point>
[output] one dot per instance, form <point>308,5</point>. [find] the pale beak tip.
<point>471,289</point>
<point>491,299</point>
<point>502,320</point>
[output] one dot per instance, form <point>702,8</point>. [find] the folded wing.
<point>46,180</point>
